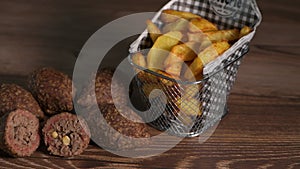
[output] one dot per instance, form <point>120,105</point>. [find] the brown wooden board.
<point>262,129</point>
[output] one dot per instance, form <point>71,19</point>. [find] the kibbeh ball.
<point>14,97</point>
<point>52,89</point>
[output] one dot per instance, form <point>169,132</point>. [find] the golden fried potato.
<point>196,37</point>
<point>179,25</point>
<point>201,38</point>
<point>179,54</point>
<point>165,81</point>
<point>204,57</point>
<point>153,30</point>
<point>170,15</point>
<point>223,35</point>
<point>245,31</point>
<point>189,106</point>
<point>194,70</point>
<point>191,91</point>
<point>161,48</point>
<point>201,25</point>
<point>147,77</point>
<point>186,44</point>
<point>186,51</point>
<point>171,59</point>
<point>204,44</point>
<point>175,68</point>
<point>212,52</point>
<point>139,59</point>
<point>185,119</point>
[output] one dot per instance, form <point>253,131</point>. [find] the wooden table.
<point>262,129</point>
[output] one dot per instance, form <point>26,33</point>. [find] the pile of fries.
<point>185,44</point>
<point>181,48</point>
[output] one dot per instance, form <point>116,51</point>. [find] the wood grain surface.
<point>262,129</point>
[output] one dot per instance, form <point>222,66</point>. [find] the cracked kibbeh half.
<point>66,135</point>
<point>19,133</point>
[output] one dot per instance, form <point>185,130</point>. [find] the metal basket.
<point>210,94</point>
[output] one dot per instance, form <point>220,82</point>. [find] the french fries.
<point>166,81</point>
<point>213,51</point>
<point>159,52</point>
<point>196,37</point>
<point>186,51</point>
<point>186,38</point>
<point>153,30</point>
<point>139,59</point>
<point>182,46</point>
<point>179,25</point>
<point>194,70</point>
<point>189,106</point>
<point>179,54</point>
<point>204,57</point>
<point>170,15</point>
<point>175,69</point>
<point>191,91</point>
<point>173,64</point>
<point>245,31</point>
<point>223,35</point>
<point>201,25</point>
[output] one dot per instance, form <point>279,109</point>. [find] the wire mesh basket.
<point>190,108</point>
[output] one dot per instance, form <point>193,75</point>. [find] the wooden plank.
<point>240,139</point>
<point>269,72</point>
<point>262,128</point>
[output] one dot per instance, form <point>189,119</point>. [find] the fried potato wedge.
<point>196,37</point>
<point>170,15</point>
<point>178,25</point>
<point>204,57</point>
<point>245,31</point>
<point>175,69</point>
<point>191,91</point>
<point>201,38</point>
<point>172,59</point>
<point>186,51</point>
<point>179,54</point>
<point>165,81</point>
<point>213,51</point>
<point>204,44</point>
<point>189,106</point>
<point>194,70</point>
<point>139,59</point>
<point>160,49</point>
<point>201,25</point>
<point>153,30</point>
<point>223,35</point>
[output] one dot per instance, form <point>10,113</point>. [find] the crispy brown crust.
<point>19,133</point>
<point>66,134</point>
<point>103,87</point>
<point>52,89</point>
<point>14,97</point>
<point>110,136</point>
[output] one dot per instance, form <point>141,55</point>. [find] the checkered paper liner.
<point>211,92</point>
